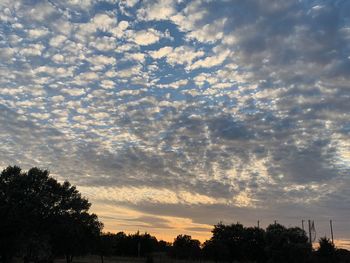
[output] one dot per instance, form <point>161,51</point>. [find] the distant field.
<point>97,259</point>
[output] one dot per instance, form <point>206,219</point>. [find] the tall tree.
<point>230,238</point>
<point>42,217</point>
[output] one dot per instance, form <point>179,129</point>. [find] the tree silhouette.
<point>254,244</point>
<point>235,242</point>
<point>326,251</point>
<point>105,245</point>
<point>42,218</point>
<point>230,238</point>
<point>215,250</point>
<point>287,244</point>
<point>184,247</point>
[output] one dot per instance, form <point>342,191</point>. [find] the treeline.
<point>42,219</point>
<point>229,243</point>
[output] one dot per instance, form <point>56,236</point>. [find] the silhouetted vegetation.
<point>238,243</point>
<point>184,247</point>
<point>42,219</point>
<point>326,251</point>
<point>132,245</point>
<point>287,244</point>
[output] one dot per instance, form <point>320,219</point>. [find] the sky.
<point>171,116</point>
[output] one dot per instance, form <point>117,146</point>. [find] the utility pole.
<point>309,221</point>
<point>302,224</point>
<point>258,224</point>
<point>275,222</point>
<point>331,224</point>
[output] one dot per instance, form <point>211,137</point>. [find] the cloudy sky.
<point>173,115</point>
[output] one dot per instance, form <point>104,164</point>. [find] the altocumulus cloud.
<point>182,112</point>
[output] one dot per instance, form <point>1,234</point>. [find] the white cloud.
<point>57,40</point>
<point>183,55</point>
<point>189,16</point>
<point>62,26</point>
<point>16,25</point>
<point>209,62</point>
<point>119,30</point>
<point>41,116</point>
<point>57,99</point>
<point>41,11</point>
<point>160,53</point>
<point>80,3</point>
<point>88,76</point>
<point>175,85</point>
<point>150,194</point>
<point>38,32</point>
<point>73,91</point>
<point>147,37</point>
<point>128,72</point>
<point>99,115</point>
<point>130,3</point>
<point>140,57</point>
<point>107,84</point>
<point>104,43</point>
<point>209,32</point>
<point>32,50</point>
<point>54,71</point>
<point>10,91</point>
<point>157,10</point>
<point>7,52</point>
<point>58,58</point>
<point>103,22</point>
<point>101,61</point>
<point>127,47</point>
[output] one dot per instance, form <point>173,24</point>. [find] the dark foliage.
<point>133,245</point>
<point>254,244</point>
<point>42,218</point>
<point>326,251</point>
<point>184,247</point>
<point>343,255</point>
<point>287,244</point>
<point>238,243</point>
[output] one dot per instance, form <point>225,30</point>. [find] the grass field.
<point>97,259</point>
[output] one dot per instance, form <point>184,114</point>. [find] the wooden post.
<point>302,224</point>
<point>309,221</point>
<point>330,222</point>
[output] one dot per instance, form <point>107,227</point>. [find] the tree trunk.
<point>102,259</point>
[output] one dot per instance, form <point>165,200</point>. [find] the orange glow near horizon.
<point>176,227</point>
